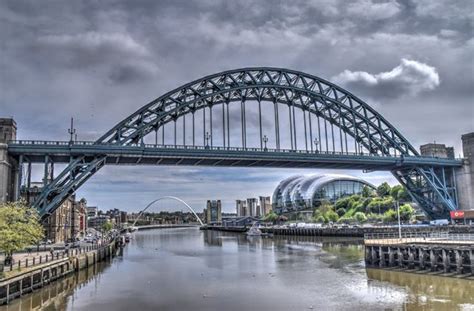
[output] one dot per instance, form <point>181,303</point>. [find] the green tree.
<point>341,211</point>
<point>383,189</point>
<point>19,227</point>
<point>331,216</point>
<point>367,192</point>
<point>406,212</point>
<point>360,217</point>
<point>271,217</point>
<point>319,219</point>
<point>107,226</point>
<point>390,216</point>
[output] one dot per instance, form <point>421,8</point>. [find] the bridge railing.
<point>216,148</point>
<point>190,147</point>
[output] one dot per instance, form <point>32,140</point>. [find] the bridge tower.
<point>8,166</point>
<point>465,174</point>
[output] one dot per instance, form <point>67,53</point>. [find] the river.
<point>189,269</point>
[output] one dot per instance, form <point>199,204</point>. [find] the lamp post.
<point>265,140</point>
<point>316,142</point>
<point>399,223</point>
<point>208,136</point>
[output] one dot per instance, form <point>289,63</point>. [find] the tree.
<point>367,192</point>
<point>19,227</point>
<point>406,212</point>
<point>390,216</point>
<point>331,216</point>
<point>360,217</point>
<point>271,217</point>
<point>107,226</point>
<point>383,189</point>
<point>341,211</point>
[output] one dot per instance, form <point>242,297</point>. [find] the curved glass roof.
<point>298,191</point>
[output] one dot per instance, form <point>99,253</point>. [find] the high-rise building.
<point>264,206</point>
<point>241,206</point>
<point>213,212</point>
<point>252,204</point>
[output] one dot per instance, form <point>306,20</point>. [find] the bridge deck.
<point>61,152</point>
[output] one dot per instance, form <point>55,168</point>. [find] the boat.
<point>254,231</point>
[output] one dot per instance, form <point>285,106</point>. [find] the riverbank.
<point>346,232</point>
<point>27,279</point>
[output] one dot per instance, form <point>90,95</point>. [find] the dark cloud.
<point>99,61</point>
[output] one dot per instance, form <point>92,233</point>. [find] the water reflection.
<point>183,269</point>
<point>429,291</point>
<point>56,295</point>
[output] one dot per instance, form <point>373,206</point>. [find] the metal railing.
<point>214,148</point>
<point>57,255</point>
<point>410,237</point>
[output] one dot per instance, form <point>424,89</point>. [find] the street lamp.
<point>399,224</point>
<point>316,142</point>
<point>265,140</point>
<point>208,136</point>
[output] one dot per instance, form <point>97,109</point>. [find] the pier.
<point>440,253</point>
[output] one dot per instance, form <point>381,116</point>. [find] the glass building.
<point>299,193</point>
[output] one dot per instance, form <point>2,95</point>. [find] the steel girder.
<point>297,89</point>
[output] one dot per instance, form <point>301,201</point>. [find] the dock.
<point>442,253</point>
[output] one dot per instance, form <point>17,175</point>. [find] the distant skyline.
<point>413,61</point>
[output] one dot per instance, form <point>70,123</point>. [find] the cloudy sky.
<point>99,61</point>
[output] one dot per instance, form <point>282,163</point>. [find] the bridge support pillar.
<point>465,174</point>
<point>8,175</point>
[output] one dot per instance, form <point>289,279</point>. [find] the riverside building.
<point>300,192</point>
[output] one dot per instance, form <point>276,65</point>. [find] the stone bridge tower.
<point>465,174</point>
<point>8,167</point>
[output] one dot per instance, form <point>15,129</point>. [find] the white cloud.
<point>410,77</point>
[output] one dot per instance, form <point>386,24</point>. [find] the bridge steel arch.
<point>432,187</point>
<point>163,198</point>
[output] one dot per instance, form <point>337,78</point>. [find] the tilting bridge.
<point>251,117</point>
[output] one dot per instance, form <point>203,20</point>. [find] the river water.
<point>189,269</point>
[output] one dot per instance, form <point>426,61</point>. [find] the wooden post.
<point>432,260</point>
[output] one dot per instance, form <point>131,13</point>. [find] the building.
<point>463,217</point>
<point>92,211</point>
<point>213,212</point>
<point>58,226</point>
<point>79,219</point>
<point>299,193</point>
<point>437,150</point>
<point>252,207</point>
<point>8,166</point>
<point>244,221</point>
<point>98,222</point>
<point>240,207</point>
<point>264,206</point>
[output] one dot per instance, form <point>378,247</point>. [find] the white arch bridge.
<point>164,198</point>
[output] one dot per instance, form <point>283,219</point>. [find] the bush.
<point>319,219</point>
<point>341,211</point>
<point>406,212</point>
<point>345,219</point>
<point>383,189</point>
<point>360,217</point>
<point>331,216</point>
<point>390,216</point>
